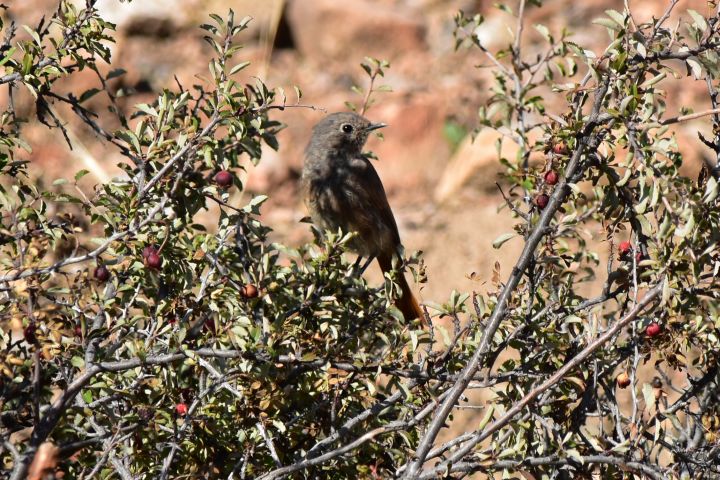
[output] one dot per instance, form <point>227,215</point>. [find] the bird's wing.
<point>365,186</point>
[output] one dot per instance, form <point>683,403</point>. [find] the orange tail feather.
<point>406,303</point>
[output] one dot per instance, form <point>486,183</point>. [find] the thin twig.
<point>518,406</point>
<point>690,116</point>
<point>269,443</point>
<point>556,199</point>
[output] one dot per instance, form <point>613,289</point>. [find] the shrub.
<point>155,347</point>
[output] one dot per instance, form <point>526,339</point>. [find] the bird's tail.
<point>406,303</point>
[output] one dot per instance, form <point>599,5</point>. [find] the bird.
<point>342,189</point>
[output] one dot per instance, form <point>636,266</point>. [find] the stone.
<point>333,30</point>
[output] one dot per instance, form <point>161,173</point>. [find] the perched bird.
<point>343,190</point>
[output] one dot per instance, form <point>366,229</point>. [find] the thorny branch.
<point>432,369</point>
<point>573,170</point>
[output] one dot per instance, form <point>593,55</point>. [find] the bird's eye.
<point>347,128</point>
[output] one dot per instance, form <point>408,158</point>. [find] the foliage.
<point>247,334</point>
<point>611,170</point>
<point>374,68</point>
<point>155,347</point>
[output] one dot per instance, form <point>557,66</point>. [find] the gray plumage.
<point>342,190</point>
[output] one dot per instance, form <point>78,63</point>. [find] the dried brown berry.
<point>29,333</point>
<point>224,178</point>
<point>250,291</point>
<point>153,261</point>
<point>101,273</point>
<point>209,325</point>
<point>551,177</point>
<point>623,380</point>
<point>560,148</point>
<point>541,201</point>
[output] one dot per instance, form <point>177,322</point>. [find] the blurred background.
<point>441,185</point>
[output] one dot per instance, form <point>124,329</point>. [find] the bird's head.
<point>343,131</point>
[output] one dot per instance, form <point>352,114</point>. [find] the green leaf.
<point>657,78</point>
<point>218,19</point>
<point>413,340</point>
<point>698,20</point>
<point>8,56</point>
<point>255,203</point>
<point>616,16</point>
<point>711,191</point>
<point>645,224</point>
<point>35,36</point>
<point>145,108</point>
<point>487,417</point>
<point>574,454</point>
<point>606,22</point>
<point>87,94</point>
<point>686,229</point>
<point>622,447</point>
<point>544,31</point>
<point>648,395</point>
<point>239,67</point>
<point>695,67</point>
<point>666,291</point>
<point>498,242</point>
<point>117,72</point>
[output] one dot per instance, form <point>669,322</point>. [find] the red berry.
<point>101,273</point>
<point>224,178</point>
<point>653,330</point>
<point>541,201</point>
<point>560,148</point>
<point>153,261</point>
<point>209,325</point>
<point>551,177</point>
<point>149,250</point>
<point>624,247</point>
<point>249,291</point>
<point>623,380</point>
<point>29,333</point>
<point>181,409</point>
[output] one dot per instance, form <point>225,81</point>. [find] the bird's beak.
<point>375,126</point>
